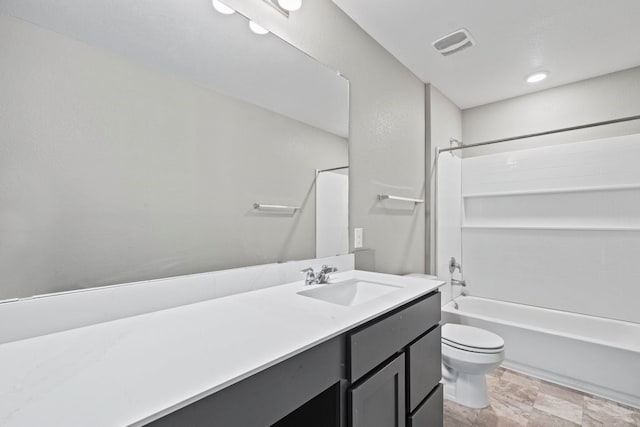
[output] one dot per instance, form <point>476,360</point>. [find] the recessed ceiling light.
<point>290,5</point>
<point>257,28</point>
<point>537,76</point>
<point>222,8</point>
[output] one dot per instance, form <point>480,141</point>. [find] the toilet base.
<point>466,389</point>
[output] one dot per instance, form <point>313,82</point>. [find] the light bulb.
<point>222,8</point>
<point>257,28</point>
<point>537,77</point>
<point>290,5</point>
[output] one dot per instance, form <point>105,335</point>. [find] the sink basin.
<point>350,292</point>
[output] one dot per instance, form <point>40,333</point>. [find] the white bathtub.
<point>595,355</point>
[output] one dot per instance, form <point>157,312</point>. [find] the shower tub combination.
<point>591,354</point>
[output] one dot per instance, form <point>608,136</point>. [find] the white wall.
<point>387,127</point>
<point>602,98</point>
<point>556,227</point>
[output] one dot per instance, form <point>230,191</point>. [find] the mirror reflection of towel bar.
<point>275,207</point>
<point>403,199</point>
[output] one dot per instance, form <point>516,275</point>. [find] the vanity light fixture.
<point>275,4</point>
<point>537,76</point>
<point>290,5</point>
<point>257,28</point>
<point>222,8</point>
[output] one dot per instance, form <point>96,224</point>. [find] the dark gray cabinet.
<point>380,400</point>
<point>384,373</point>
<point>394,366</point>
<point>429,412</point>
<point>424,368</point>
<point>370,345</point>
<point>267,397</point>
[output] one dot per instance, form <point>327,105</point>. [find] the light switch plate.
<point>357,238</point>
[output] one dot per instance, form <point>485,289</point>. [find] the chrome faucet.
<point>319,278</point>
<point>323,274</point>
<point>463,293</point>
<point>454,265</point>
<point>310,276</point>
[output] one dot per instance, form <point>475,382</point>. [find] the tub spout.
<point>458,282</point>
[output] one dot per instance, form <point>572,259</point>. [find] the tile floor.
<point>519,400</point>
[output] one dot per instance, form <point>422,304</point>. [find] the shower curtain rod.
<point>531,135</point>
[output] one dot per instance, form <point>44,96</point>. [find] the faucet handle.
<point>454,265</point>
<point>323,274</point>
<point>310,275</point>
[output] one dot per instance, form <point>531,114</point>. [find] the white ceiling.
<point>573,39</point>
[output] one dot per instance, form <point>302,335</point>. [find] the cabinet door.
<point>424,367</point>
<point>379,401</point>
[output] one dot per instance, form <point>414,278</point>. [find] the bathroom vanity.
<point>276,356</point>
<point>383,373</point>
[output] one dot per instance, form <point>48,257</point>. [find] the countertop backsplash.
<point>46,314</point>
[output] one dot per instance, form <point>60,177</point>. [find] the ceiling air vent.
<point>454,42</point>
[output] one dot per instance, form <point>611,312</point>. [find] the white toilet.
<point>468,353</point>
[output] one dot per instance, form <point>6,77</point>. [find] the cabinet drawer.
<point>424,367</point>
<point>430,413</point>
<point>375,343</point>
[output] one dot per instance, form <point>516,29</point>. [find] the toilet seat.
<point>469,338</point>
<point>473,349</point>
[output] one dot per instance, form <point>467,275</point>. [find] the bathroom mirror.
<point>137,139</point>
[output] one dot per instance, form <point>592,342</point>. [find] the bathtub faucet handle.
<point>454,265</point>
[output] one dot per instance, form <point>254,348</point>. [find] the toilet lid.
<point>469,337</point>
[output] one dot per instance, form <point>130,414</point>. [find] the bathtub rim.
<point>449,308</point>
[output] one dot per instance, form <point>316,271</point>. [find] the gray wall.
<point>602,98</point>
<point>112,172</point>
<point>387,127</point>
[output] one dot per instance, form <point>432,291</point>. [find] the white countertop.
<point>134,370</point>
